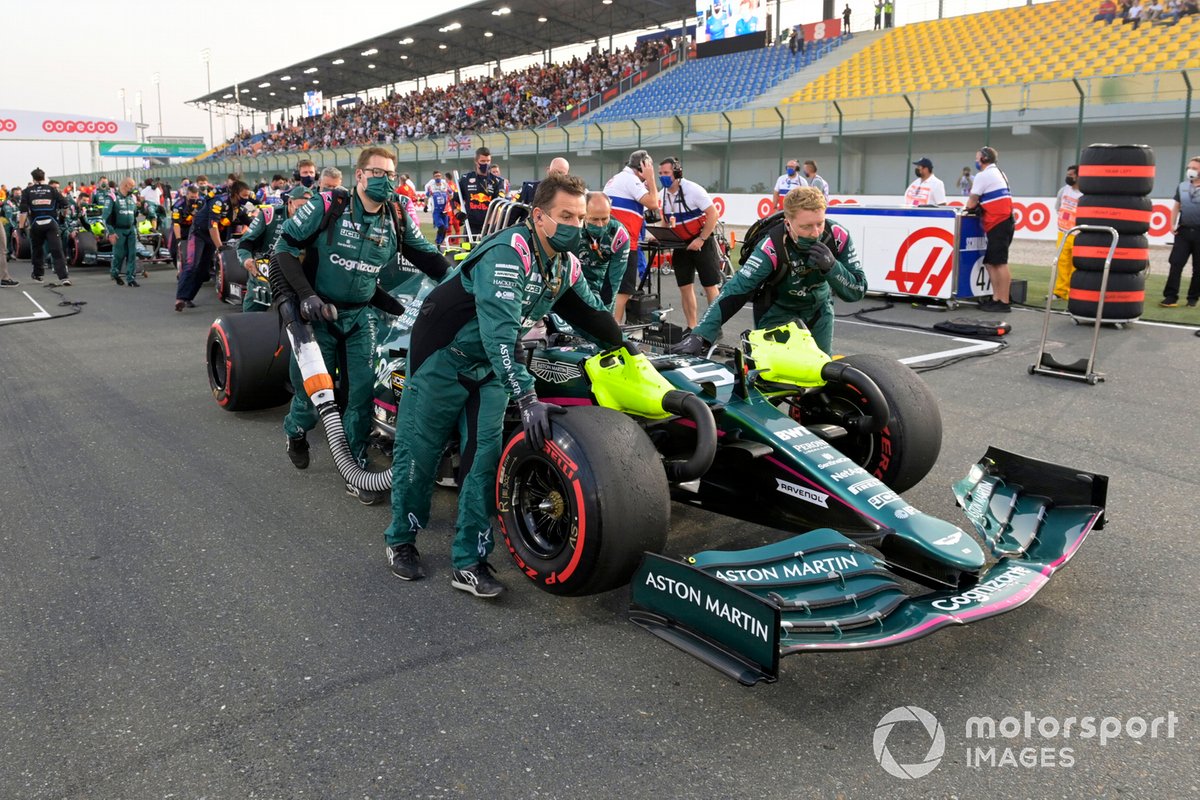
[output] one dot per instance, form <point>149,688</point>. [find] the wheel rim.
<point>543,509</point>
<point>216,366</point>
<point>840,409</point>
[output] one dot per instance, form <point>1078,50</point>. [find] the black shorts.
<point>686,264</point>
<point>998,240</point>
<point>629,280</point>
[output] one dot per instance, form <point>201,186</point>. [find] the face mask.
<point>484,168</point>
<point>307,180</point>
<point>802,241</point>
<point>791,171</point>
<point>596,231</point>
<point>978,165</point>
<point>1070,180</point>
<point>565,238</point>
<point>665,181</point>
<point>917,172</point>
<point>380,189</point>
<point>1193,174</point>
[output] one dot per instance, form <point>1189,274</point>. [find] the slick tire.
<point>230,271</point>
<point>1128,216</point>
<point>83,244</point>
<point>21,248</point>
<point>1091,249</point>
<point>247,362</point>
<point>1125,169</point>
<point>904,452</point>
<point>578,514</point>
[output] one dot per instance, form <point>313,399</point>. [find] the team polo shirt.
<point>992,189</point>
<point>684,210</point>
<point>929,192</point>
<point>624,190</point>
<point>788,182</point>
<point>1068,203</point>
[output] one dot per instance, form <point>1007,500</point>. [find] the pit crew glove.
<point>535,418</point>
<point>314,308</point>
<point>691,345</point>
<point>386,303</point>
<point>821,257</point>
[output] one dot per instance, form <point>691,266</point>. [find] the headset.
<point>987,155</point>
<point>676,169</point>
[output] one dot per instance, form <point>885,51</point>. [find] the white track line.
<point>973,345</point>
<point>41,312</point>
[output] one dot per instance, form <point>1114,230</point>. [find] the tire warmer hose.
<point>841,372</point>
<point>318,385</point>
<point>689,406</point>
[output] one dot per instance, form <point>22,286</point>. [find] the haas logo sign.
<point>937,248</point>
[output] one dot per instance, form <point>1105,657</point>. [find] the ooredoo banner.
<point>1035,218</point>
<point>59,126</point>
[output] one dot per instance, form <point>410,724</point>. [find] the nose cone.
<point>942,541</point>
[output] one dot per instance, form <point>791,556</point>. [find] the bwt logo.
<point>937,742</point>
<point>79,126</point>
<point>8,125</point>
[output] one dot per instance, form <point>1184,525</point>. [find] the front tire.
<point>247,361</point>
<point>578,514</point>
<point>230,271</point>
<point>84,245</point>
<point>904,452</point>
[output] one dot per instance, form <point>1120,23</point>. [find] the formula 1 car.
<point>88,245</point>
<point>778,434</point>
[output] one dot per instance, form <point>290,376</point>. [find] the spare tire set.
<point>1116,181</point>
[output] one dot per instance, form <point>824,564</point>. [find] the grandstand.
<point>1012,46</point>
<point>709,85</point>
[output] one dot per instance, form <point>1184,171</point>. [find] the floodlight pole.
<point>205,53</point>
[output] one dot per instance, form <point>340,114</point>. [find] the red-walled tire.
<point>578,514</point>
<point>1091,248</point>
<point>1125,169</point>
<point>247,361</point>
<point>1130,216</point>
<point>1124,297</point>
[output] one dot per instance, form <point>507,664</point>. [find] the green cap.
<point>300,193</point>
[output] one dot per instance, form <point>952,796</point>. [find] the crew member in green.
<point>791,275</point>
<point>463,367</point>
<point>10,210</point>
<point>120,218</point>
<point>349,237</point>
<point>603,249</point>
<point>259,242</point>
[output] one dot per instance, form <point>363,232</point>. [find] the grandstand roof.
<point>517,32</point>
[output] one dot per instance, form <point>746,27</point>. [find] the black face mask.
<point>1070,180</point>
<point>483,168</point>
<point>917,172</point>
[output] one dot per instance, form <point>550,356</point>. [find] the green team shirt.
<point>514,285</point>
<point>121,213</point>
<point>348,267</point>
<point>261,238</point>
<point>804,291</point>
<point>604,258</point>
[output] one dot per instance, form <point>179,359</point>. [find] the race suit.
<point>604,258</point>
<point>463,366</point>
<point>437,197</point>
<point>120,218</point>
<point>478,191</point>
<point>347,274</point>
<point>213,212</point>
<point>804,294</point>
<point>257,242</point>
<point>41,203</point>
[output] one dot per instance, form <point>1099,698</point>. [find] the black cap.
<point>924,162</point>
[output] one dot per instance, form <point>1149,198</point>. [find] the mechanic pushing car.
<point>603,249</point>
<point>210,226</point>
<point>120,218</point>
<point>789,276</point>
<point>354,235</point>
<point>463,368</point>
<point>260,239</point>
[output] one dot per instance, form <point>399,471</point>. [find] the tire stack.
<point>1116,181</point>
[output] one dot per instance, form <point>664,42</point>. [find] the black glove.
<point>461,216</point>
<point>821,257</point>
<point>691,345</point>
<point>535,418</point>
<point>314,308</point>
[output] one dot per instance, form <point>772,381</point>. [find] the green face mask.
<point>595,231</point>
<point>380,189</point>
<point>565,238</point>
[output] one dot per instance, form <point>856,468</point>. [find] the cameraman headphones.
<point>296,174</point>
<point>987,155</point>
<point>676,169</point>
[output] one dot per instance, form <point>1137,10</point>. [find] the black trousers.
<point>43,235</point>
<point>1187,245</point>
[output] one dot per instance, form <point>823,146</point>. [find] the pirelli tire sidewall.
<point>230,270</point>
<point>21,246</point>
<point>83,244</point>
<point>604,481</point>
<point>1124,169</point>
<point>1090,249</point>
<point>247,362</point>
<point>1126,215</point>
<point>1124,296</point>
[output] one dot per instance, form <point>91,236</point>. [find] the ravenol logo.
<point>937,742</point>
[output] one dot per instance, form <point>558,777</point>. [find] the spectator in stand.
<point>1133,14</point>
<point>846,20</point>
<point>927,189</point>
<point>889,19</point>
<point>1107,12</point>
<point>794,41</point>
<point>1152,11</point>
<point>811,178</point>
<point>964,182</point>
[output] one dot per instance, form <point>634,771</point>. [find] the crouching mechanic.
<point>603,249</point>
<point>789,276</point>
<point>349,237</point>
<point>463,365</point>
<point>259,242</point>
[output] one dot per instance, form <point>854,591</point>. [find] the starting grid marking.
<point>971,345</point>
<point>41,313</point>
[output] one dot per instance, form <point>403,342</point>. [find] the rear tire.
<point>1125,169</point>
<point>247,360</point>
<point>578,514</point>
<point>904,452</point>
<point>21,245</point>
<point>230,271</point>
<point>83,245</point>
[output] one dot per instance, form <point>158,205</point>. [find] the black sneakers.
<point>133,284</point>
<point>477,580</point>
<point>117,280</point>
<point>995,306</point>
<point>405,562</point>
<point>297,450</point>
<point>36,278</point>
<point>365,496</point>
<point>8,283</point>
